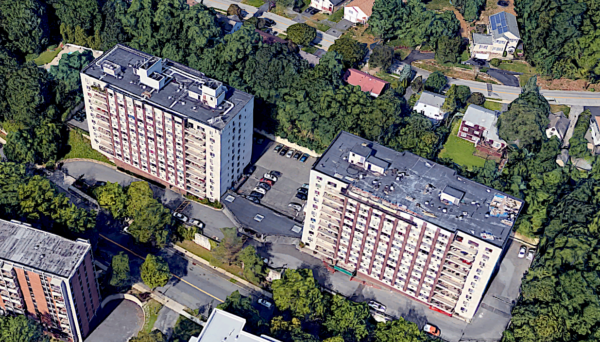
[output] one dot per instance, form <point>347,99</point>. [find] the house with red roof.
<point>358,11</point>
<point>368,83</point>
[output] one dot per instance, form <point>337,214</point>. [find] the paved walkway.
<point>573,116</point>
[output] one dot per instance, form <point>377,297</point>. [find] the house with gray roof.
<point>479,126</point>
<point>558,126</point>
<point>502,35</point>
<point>430,104</point>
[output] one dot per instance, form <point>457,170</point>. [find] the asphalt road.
<point>506,78</point>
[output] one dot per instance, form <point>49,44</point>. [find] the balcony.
<point>326,239</point>
<point>462,254</point>
<point>446,304</point>
<point>451,281</point>
<point>324,251</point>
<point>332,213</point>
<point>329,233</point>
<point>324,216</point>
<point>331,205</point>
<point>195,173</point>
<point>337,200</point>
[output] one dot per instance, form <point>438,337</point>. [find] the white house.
<point>503,35</point>
<point>558,126</point>
<point>358,11</point>
<point>327,6</point>
<point>430,104</point>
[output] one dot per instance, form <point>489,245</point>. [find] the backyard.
<point>491,105</point>
<point>47,56</point>
<point>460,151</point>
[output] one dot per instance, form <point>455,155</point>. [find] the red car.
<point>432,329</point>
<point>268,181</point>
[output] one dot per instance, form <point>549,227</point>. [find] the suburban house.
<point>368,83</point>
<point>503,35</point>
<point>229,23</point>
<point>358,11</point>
<point>430,104</point>
<point>327,6</point>
<point>558,126</point>
<point>479,126</point>
<point>593,134</point>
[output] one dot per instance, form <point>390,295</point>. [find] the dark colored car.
<point>277,148</point>
<point>301,196</point>
<point>269,22</point>
<point>268,181</point>
<point>275,173</point>
<point>284,151</point>
<point>256,194</point>
<point>478,61</point>
<point>297,155</point>
<point>297,9</point>
<point>502,3</point>
<point>303,191</point>
<point>314,11</point>
<point>304,157</point>
<point>253,199</point>
<point>264,186</point>
<point>250,170</point>
<point>309,9</point>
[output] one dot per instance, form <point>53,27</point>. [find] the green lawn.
<point>151,310</point>
<point>337,16</point>
<point>255,3</point>
<point>322,27</point>
<point>81,147</point>
<point>46,56</point>
<point>560,108</point>
<point>309,49</point>
<point>517,66</point>
<point>491,105</point>
<point>437,4</point>
<point>459,150</point>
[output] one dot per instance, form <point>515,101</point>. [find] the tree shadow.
<point>321,274</point>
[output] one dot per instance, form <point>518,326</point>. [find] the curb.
<point>87,160</point>
<point>232,276</point>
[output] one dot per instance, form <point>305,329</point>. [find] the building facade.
<point>168,122</point>
<point>430,105</point>
<point>327,6</point>
<point>404,223</point>
<point>49,278</point>
<point>224,326</point>
<point>503,35</point>
<point>358,11</point>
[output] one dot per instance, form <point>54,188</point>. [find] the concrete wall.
<point>287,143</point>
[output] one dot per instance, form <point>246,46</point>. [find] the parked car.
<point>314,11</point>
<point>531,253</point>
<point>269,22</point>
<point>503,3</point>
<point>253,199</point>
<point>264,186</point>
<point>250,170</point>
<point>301,196</point>
<point>432,330</point>
<point>304,157</point>
<point>302,191</point>
<point>277,148</point>
<point>309,9</point>
<point>197,223</point>
<point>295,206</point>
<point>275,173</point>
<point>260,190</point>
<point>270,176</point>
<point>297,155</point>
<point>256,194</point>
<point>289,154</point>
<point>268,181</point>
<point>478,61</point>
<point>305,186</point>
<point>284,151</point>
<point>522,252</point>
<point>376,306</point>
<point>180,217</point>
<point>297,9</point>
<point>265,303</point>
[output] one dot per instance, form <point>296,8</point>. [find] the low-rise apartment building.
<point>168,122</point>
<point>48,278</point>
<point>404,223</point>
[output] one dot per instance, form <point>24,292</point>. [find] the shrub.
<point>495,62</point>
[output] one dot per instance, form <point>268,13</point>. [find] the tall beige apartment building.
<point>401,222</point>
<point>48,278</point>
<point>168,122</point>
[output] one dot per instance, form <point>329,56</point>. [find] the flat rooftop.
<point>224,326</point>
<point>40,250</point>
<point>421,187</point>
<point>172,97</point>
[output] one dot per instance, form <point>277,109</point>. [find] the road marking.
<point>141,257</point>
<point>556,97</point>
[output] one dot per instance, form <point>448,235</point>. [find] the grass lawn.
<point>337,16</point>
<point>46,56</point>
<point>255,3</point>
<point>151,310</point>
<point>281,11</point>
<point>459,150</point>
<point>322,27</point>
<point>309,49</point>
<point>491,105</point>
<point>205,254</point>
<point>517,66</point>
<point>82,148</point>
<point>437,4</point>
<point>560,108</point>
<point>401,54</point>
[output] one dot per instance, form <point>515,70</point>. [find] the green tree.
<point>417,84</point>
<point>578,143</point>
<point>153,336</point>
<point>299,293</point>
<point>187,232</point>
<point>290,330</point>
<point>120,270</point>
<point>20,329</point>
<point>436,82</point>
<point>151,220</point>
<point>476,99</point>
<point>301,33</point>
<point>347,319</point>
<point>470,9</point>
<point>112,197</point>
<point>382,56</point>
<point>155,271</point>
<point>12,175</point>
<point>386,17</point>
<point>229,247</point>
<point>449,50</point>
<point>66,75</point>
<point>234,9</point>
<point>241,306</point>
<point>112,31</point>
<point>79,20</point>
<point>254,266</point>
<point>398,331</point>
<point>25,24</point>
<point>352,51</point>
<point>456,97</point>
<point>495,62</point>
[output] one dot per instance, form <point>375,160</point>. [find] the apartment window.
<point>319,179</point>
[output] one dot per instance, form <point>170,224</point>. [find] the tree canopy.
<point>120,270</point>
<point>301,33</point>
<point>20,329</point>
<point>155,271</point>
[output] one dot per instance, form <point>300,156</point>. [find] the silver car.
<point>180,217</point>
<point>260,190</point>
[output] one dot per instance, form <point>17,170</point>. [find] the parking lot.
<point>293,175</point>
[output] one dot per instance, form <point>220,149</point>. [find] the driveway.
<point>573,116</point>
<point>417,56</point>
<point>507,78</point>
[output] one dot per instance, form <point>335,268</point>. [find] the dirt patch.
<point>491,7</point>
<point>361,34</point>
<point>455,72</point>
<point>567,84</point>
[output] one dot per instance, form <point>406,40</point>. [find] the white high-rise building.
<point>168,122</point>
<point>401,222</point>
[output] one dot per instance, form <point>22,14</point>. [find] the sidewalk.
<point>168,302</point>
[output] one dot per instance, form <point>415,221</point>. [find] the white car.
<point>265,303</point>
<point>376,306</point>
<point>197,223</point>
<point>522,252</point>
<point>289,154</point>
<point>180,217</point>
<point>260,190</point>
<point>295,206</point>
<point>270,177</point>
<point>531,254</point>
<point>304,186</point>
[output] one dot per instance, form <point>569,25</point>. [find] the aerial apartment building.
<point>49,278</point>
<point>168,122</point>
<point>404,223</point>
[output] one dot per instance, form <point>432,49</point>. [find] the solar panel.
<point>493,22</point>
